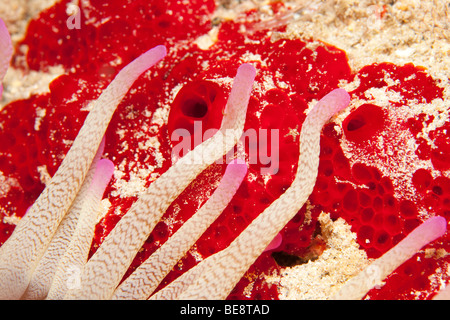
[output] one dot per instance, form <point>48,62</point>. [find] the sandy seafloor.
<point>409,31</point>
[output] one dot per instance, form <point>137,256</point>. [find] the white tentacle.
<point>216,276</point>
<point>108,265</point>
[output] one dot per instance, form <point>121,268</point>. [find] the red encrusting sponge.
<point>191,83</point>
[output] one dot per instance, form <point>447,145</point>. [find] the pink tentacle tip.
<point>237,167</point>
<point>275,243</point>
<point>6,51</point>
<point>103,174</point>
<point>247,70</point>
<point>155,54</point>
<point>437,226</point>
<point>160,50</point>
<point>146,60</point>
<point>336,100</point>
<point>427,232</point>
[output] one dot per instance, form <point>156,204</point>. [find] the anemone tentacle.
<point>357,287</point>
<point>44,272</point>
<point>22,251</point>
<point>76,255</point>
<point>216,276</point>
<point>444,294</point>
<point>144,280</point>
<point>105,269</point>
<point>6,51</point>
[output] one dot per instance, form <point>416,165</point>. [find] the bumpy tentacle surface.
<point>72,263</point>
<point>107,266</point>
<point>216,276</point>
<point>141,283</point>
<point>357,287</point>
<point>45,270</point>
<point>6,51</point>
<point>21,252</point>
